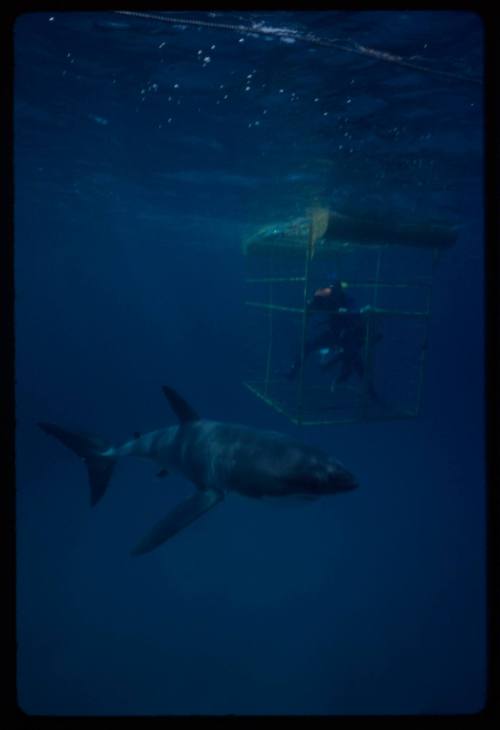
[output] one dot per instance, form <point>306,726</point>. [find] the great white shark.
<point>217,458</point>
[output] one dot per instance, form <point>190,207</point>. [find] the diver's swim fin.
<point>180,517</point>
<point>89,448</point>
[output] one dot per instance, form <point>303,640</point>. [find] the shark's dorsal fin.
<point>182,410</point>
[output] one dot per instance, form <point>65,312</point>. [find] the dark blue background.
<point>129,274</point>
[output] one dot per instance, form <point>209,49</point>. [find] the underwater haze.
<point>146,150</point>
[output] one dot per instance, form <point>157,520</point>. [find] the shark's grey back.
<point>255,463</point>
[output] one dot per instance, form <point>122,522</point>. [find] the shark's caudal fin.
<point>89,448</point>
<point>181,516</point>
<point>182,410</point>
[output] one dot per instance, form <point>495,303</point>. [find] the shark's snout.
<point>344,481</point>
<point>322,478</point>
<point>339,479</point>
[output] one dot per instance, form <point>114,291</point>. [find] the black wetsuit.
<point>343,332</point>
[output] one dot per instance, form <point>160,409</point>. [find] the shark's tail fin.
<point>90,449</point>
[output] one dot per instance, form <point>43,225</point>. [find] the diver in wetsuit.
<point>342,339</point>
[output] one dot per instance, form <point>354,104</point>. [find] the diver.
<point>341,341</point>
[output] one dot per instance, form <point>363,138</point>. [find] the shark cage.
<point>385,271</point>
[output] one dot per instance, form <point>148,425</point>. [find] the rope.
<point>307,38</point>
<point>191,21</point>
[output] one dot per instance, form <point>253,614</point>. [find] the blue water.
<point>136,182</point>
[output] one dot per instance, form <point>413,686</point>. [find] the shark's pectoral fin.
<point>180,517</point>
